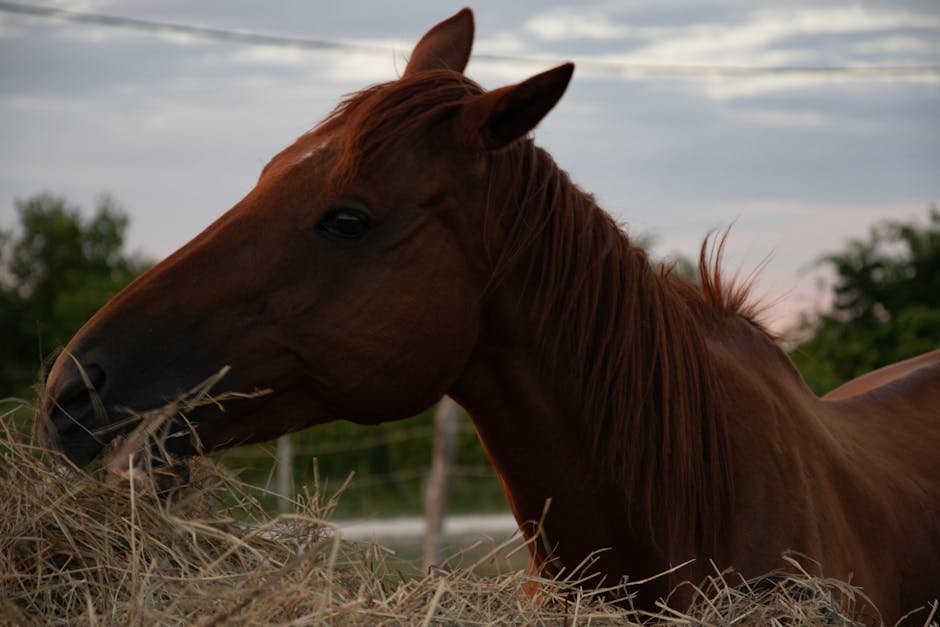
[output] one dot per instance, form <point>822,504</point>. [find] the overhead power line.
<point>202,32</point>
<point>602,66</point>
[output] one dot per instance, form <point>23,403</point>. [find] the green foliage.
<point>886,304</point>
<point>56,270</point>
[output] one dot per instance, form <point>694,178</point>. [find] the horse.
<point>418,243</point>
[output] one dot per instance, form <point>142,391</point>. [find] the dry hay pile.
<point>76,549</point>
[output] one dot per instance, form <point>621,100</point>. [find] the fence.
<point>393,473</point>
<point>383,484</point>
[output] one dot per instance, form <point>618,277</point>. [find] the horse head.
<point>349,281</point>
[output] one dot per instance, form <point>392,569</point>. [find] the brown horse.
<point>417,243</point>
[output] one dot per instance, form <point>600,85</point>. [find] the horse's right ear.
<point>446,46</point>
<point>501,116</point>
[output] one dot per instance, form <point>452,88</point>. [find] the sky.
<point>177,127</point>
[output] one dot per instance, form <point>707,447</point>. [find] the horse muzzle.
<point>72,413</point>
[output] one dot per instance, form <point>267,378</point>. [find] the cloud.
<point>265,55</point>
<point>563,24</point>
<point>738,88</point>
<point>762,38</point>
<point>898,45</point>
<point>359,68</point>
<point>809,36</point>
<point>345,67</point>
<point>80,5</point>
<point>780,117</point>
<point>504,43</point>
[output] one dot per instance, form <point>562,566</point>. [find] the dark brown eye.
<point>344,223</point>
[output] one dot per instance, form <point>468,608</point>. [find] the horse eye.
<point>344,223</point>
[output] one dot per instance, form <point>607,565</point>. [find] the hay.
<point>80,548</point>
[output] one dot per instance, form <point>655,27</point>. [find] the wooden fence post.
<point>285,473</point>
<point>435,495</point>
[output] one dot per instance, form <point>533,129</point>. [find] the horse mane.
<point>721,294</point>
<point>631,334</point>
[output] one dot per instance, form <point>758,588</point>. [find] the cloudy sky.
<point>177,127</point>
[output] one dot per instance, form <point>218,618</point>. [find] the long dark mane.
<point>630,334</point>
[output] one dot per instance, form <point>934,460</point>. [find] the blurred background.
<point>126,127</point>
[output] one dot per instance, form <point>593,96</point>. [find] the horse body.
<point>853,482</point>
<point>848,483</point>
<point>417,243</point>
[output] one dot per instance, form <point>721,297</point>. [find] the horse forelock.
<point>367,121</point>
<point>632,336</point>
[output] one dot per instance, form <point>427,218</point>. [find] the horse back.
<point>885,375</point>
<point>896,423</point>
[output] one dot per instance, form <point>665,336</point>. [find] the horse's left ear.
<point>446,46</point>
<point>501,116</point>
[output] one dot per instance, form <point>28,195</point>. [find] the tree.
<point>886,304</point>
<point>56,270</point>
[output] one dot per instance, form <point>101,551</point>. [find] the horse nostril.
<point>76,401</point>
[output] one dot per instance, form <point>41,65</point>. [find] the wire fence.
<point>389,467</point>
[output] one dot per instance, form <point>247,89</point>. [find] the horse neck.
<point>592,371</point>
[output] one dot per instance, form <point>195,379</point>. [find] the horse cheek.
<point>437,333</point>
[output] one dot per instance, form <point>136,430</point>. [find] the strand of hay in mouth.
<point>144,448</point>
<point>81,548</point>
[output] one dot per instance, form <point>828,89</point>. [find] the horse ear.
<point>501,116</point>
<point>446,46</point>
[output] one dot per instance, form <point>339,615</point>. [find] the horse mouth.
<point>82,420</point>
<point>79,445</point>
<point>121,448</point>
